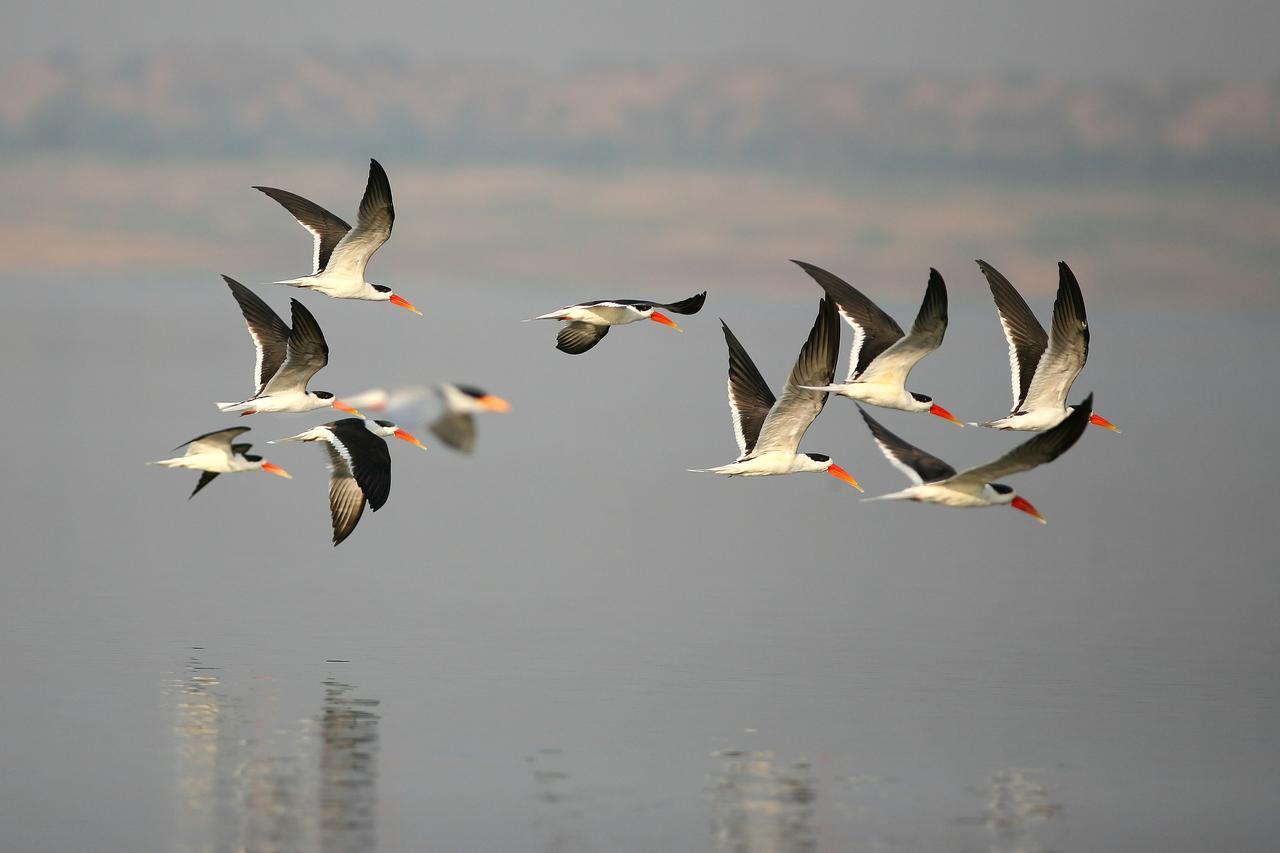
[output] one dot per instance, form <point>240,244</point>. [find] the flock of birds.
<point>768,429</point>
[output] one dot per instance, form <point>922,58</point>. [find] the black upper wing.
<point>325,228</point>
<point>576,337</point>
<point>692,305</point>
<point>874,330</point>
<point>749,396</point>
<point>1026,337</point>
<point>270,334</point>
<point>368,457</point>
<point>918,465</point>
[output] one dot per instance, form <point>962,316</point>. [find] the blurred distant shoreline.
<point>212,105</point>
<point>635,174</point>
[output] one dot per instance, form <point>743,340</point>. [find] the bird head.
<point>822,462</point>
<point>399,301</point>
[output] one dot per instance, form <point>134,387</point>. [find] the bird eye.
<point>644,307</point>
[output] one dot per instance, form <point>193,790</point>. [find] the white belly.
<point>1036,420</point>
<point>936,493</point>
<point>877,394</point>
<point>339,286</point>
<point>764,465</point>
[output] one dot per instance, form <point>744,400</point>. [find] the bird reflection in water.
<point>249,781</point>
<point>763,806</point>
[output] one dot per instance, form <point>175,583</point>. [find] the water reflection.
<point>250,780</point>
<point>760,805</point>
<point>1018,806</point>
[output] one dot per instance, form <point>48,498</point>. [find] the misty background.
<point>567,642</point>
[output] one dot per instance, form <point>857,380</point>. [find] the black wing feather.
<point>324,226</point>
<point>370,459</point>
<point>880,331</point>
<point>928,467</point>
<point>231,432</point>
<point>1027,338</point>
<point>576,337</point>
<point>692,305</point>
<point>1069,317</point>
<point>268,331</point>
<point>206,477</point>
<point>748,392</point>
<point>377,195</point>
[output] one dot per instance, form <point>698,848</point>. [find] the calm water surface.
<point>567,643</point>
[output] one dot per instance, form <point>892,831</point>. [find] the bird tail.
<point>830,389</point>
<point>233,407</point>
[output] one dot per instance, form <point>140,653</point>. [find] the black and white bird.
<point>341,252</point>
<point>285,360</point>
<point>213,453</point>
<point>1042,366</point>
<point>456,426</point>
<point>881,355</point>
<point>588,322</point>
<point>769,430</point>
<point>360,466</point>
<point>934,481</point>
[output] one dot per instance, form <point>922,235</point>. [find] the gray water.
<point>568,643</point>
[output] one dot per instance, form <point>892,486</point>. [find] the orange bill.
<point>1098,420</point>
<point>944,414</point>
<point>840,474</point>
<point>272,468</point>
<point>659,317</point>
<point>404,303</point>
<point>338,404</point>
<point>406,436</point>
<point>1023,504</point>
<point>494,403</point>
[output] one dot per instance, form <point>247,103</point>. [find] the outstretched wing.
<point>919,466</point>
<point>373,226</point>
<point>1026,337</point>
<point>366,456</point>
<point>692,305</point>
<point>795,411</point>
<point>346,500</point>
<point>206,477</point>
<point>308,352</point>
<point>873,330</point>
<point>1068,346</point>
<point>457,431</point>
<point>577,337</point>
<point>1044,447</point>
<point>749,396</point>
<point>269,333</point>
<point>218,441</point>
<point>894,364</point>
<point>325,228</point>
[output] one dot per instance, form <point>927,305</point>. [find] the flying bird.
<point>882,356</point>
<point>456,426</point>
<point>214,454</point>
<point>286,358</point>
<point>769,430</point>
<point>934,481</point>
<point>341,253</point>
<point>587,323</point>
<point>360,466</point>
<point>1042,366</point>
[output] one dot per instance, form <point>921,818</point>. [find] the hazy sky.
<point>1087,37</point>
